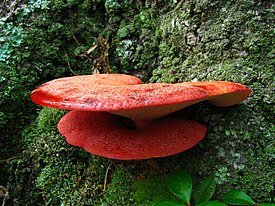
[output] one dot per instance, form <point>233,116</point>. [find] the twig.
<point>69,65</point>
<point>7,160</point>
<point>92,48</point>
<point>179,5</point>
<point>106,176</point>
<point>76,39</point>
<point>4,193</point>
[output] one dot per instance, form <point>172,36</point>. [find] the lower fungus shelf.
<point>107,135</point>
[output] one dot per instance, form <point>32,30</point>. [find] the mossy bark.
<point>159,41</point>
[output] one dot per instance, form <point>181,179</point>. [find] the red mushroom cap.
<point>137,101</point>
<point>125,95</point>
<point>222,94</point>
<point>106,135</point>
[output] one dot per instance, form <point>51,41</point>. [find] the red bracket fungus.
<point>121,95</point>
<point>134,132</point>
<point>105,134</point>
<point>224,94</point>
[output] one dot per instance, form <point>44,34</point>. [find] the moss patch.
<point>151,190</point>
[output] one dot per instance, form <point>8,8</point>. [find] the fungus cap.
<point>126,98</point>
<point>105,134</point>
<point>222,93</point>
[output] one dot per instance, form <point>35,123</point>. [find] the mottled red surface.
<point>95,93</point>
<point>107,135</point>
<point>221,93</point>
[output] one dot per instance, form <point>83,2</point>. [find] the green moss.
<point>38,43</point>
<point>211,41</point>
<point>151,190</point>
<point>138,23</point>
<point>72,182</point>
<point>163,41</point>
<point>53,171</point>
<point>240,140</point>
<point>222,41</point>
<point>48,118</point>
<point>38,40</point>
<point>120,189</point>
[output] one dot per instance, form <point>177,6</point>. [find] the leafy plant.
<point>180,183</point>
<point>204,191</point>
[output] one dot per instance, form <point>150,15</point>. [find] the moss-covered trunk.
<point>158,41</point>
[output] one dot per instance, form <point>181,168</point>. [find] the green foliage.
<point>235,197</point>
<point>204,191</point>
<point>267,204</point>
<point>180,184</point>
<point>212,203</point>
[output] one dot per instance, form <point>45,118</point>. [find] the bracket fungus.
<point>224,94</point>
<point>122,95</point>
<point>116,116</point>
<point>105,134</point>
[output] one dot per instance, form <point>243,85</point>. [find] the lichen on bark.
<point>158,41</point>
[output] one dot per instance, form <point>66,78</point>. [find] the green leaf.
<point>267,204</point>
<point>168,203</point>
<point>180,184</point>
<point>212,203</point>
<point>236,197</point>
<point>205,190</point>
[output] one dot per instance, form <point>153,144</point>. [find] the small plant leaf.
<point>180,184</point>
<point>205,190</point>
<point>212,203</point>
<point>236,197</point>
<point>168,203</point>
<point>267,204</point>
